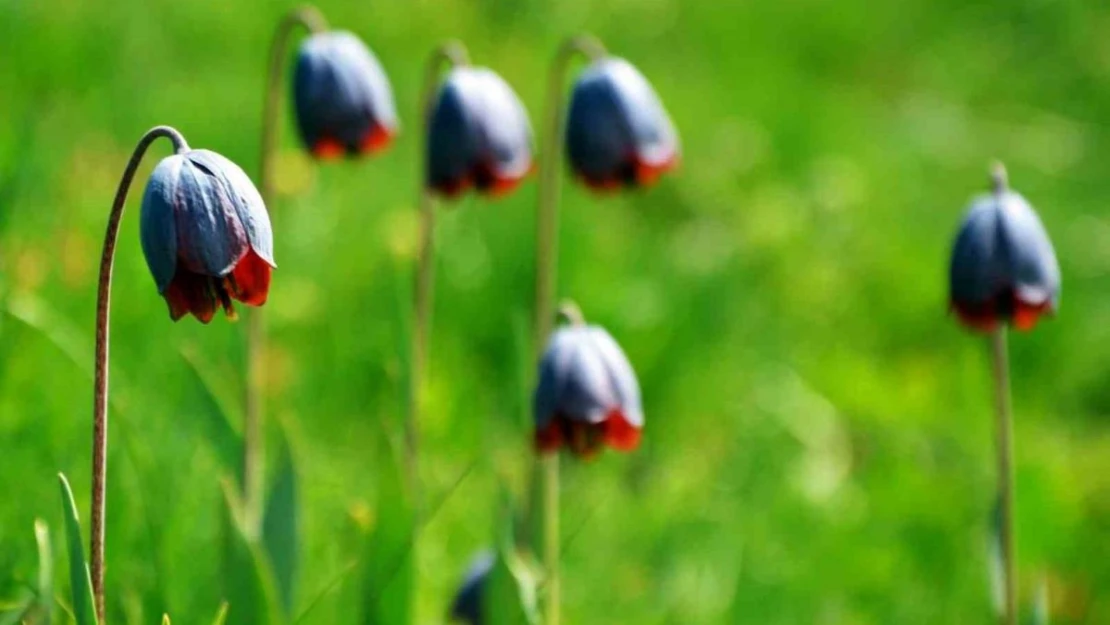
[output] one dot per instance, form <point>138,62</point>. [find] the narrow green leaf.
<point>80,584</point>
<point>215,422</point>
<point>387,567</point>
<point>166,619</point>
<point>221,615</point>
<point>249,587</point>
<point>509,596</point>
<point>279,525</point>
<point>46,571</point>
<point>19,612</point>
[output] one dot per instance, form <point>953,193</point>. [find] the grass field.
<point>818,446</point>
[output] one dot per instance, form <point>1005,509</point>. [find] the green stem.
<point>547,253</point>
<point>448,54</point>
<point>309,18</point>
<point>1004,433</point>
<point>100,378</point>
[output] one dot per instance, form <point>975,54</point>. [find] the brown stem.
<point>100,381</point>
<point>1005,445</point>
<point>547,253</point>
<point>448,54</point>
<point>309,18</point>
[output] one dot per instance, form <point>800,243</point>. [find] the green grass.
<point>818,445</point>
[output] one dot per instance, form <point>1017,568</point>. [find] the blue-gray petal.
<point>246,200</point>
<point>583,375</point>
<point>340,91</point>
<point>621,375</point>
<point>615,120</point>
<point>467,607</point>
<point>1001,245</point>
<point>477,126</point>
<point>157,230</point>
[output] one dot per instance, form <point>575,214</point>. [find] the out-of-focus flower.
<point>587,395</point>
<point>343,101</point>
<point>1003,266</point>
<point>478,135</point>
<point>467,607</point>
<point>617,131</point>
<point>205,235</point>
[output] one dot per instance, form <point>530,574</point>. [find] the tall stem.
<point>449,54</point>
<point>1004,434</point>
<point>309,18</point>
<point>547,253</point>
<point>100,380</point>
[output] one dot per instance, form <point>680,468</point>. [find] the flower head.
<point>1003,266</point>
<point>587,395</point>
<point>467,606</point>
<point>343,101</point>
<point>478,134</point>
<point>205,235</point>
<point>617,131</point>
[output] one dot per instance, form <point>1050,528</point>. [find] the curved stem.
<point>547,210</point>
<point>309,18</point>
<point>100,379</point>
<point>1004,433</point>
<point>547,246</point>
<point>448,54</point>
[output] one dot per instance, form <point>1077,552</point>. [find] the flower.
<point>587,395</point>
<point>342,98</point>
<point>205,235</point>
<point>467,606</point>
<point>617,131</point>
<point>1003,265</point>
<point>478,134</point>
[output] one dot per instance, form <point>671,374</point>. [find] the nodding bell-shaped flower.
<point>617,131</point>
<point>205,235</point>
<point>478,135</point>
<point>343,101</point>
<point>467,606</point>
<point>587,395</point>
<point>1003,266</point>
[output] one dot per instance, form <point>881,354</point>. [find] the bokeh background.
<point>819,436</point>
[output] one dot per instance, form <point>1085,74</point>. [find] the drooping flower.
<point>617,131</point>
<point>342,97</point>
<point>205,235</point>
<point>587,395</point>
<point>1003,267</point>
<point>467,606</point>
<point>478,135</point>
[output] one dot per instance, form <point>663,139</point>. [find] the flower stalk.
<point>448,55</point>
<point>547,246</point>
<point>311,19</point>
<point>100,379</point>
<point>1005,451</point>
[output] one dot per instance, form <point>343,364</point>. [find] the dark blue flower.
<point>467,607</point>
<point>617,131</point>
<point>1003,266</point>
<point>343,101</point>
<point>587,394</point>
<point>205,235</point>
<point>478,135</point>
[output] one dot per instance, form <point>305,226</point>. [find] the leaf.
<point>509,597</point>
<point>166,619</point>
<point>19,613</point>
<point>46,571</point>
<point>249,587</point>
<point>279,525</point>
<point>79,581</point>
<point>387,573</point>
<point>221,615</point>
<point>215,422</point>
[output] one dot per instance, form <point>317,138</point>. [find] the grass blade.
<point>279,525</point>
<point>215,422</point>
<point>221,615</point>
<point>388,559</point>
<point>46,571</point>
<point>249,587</point>
<point>79,581</point>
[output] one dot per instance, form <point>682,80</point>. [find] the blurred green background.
<point>819,437</point>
